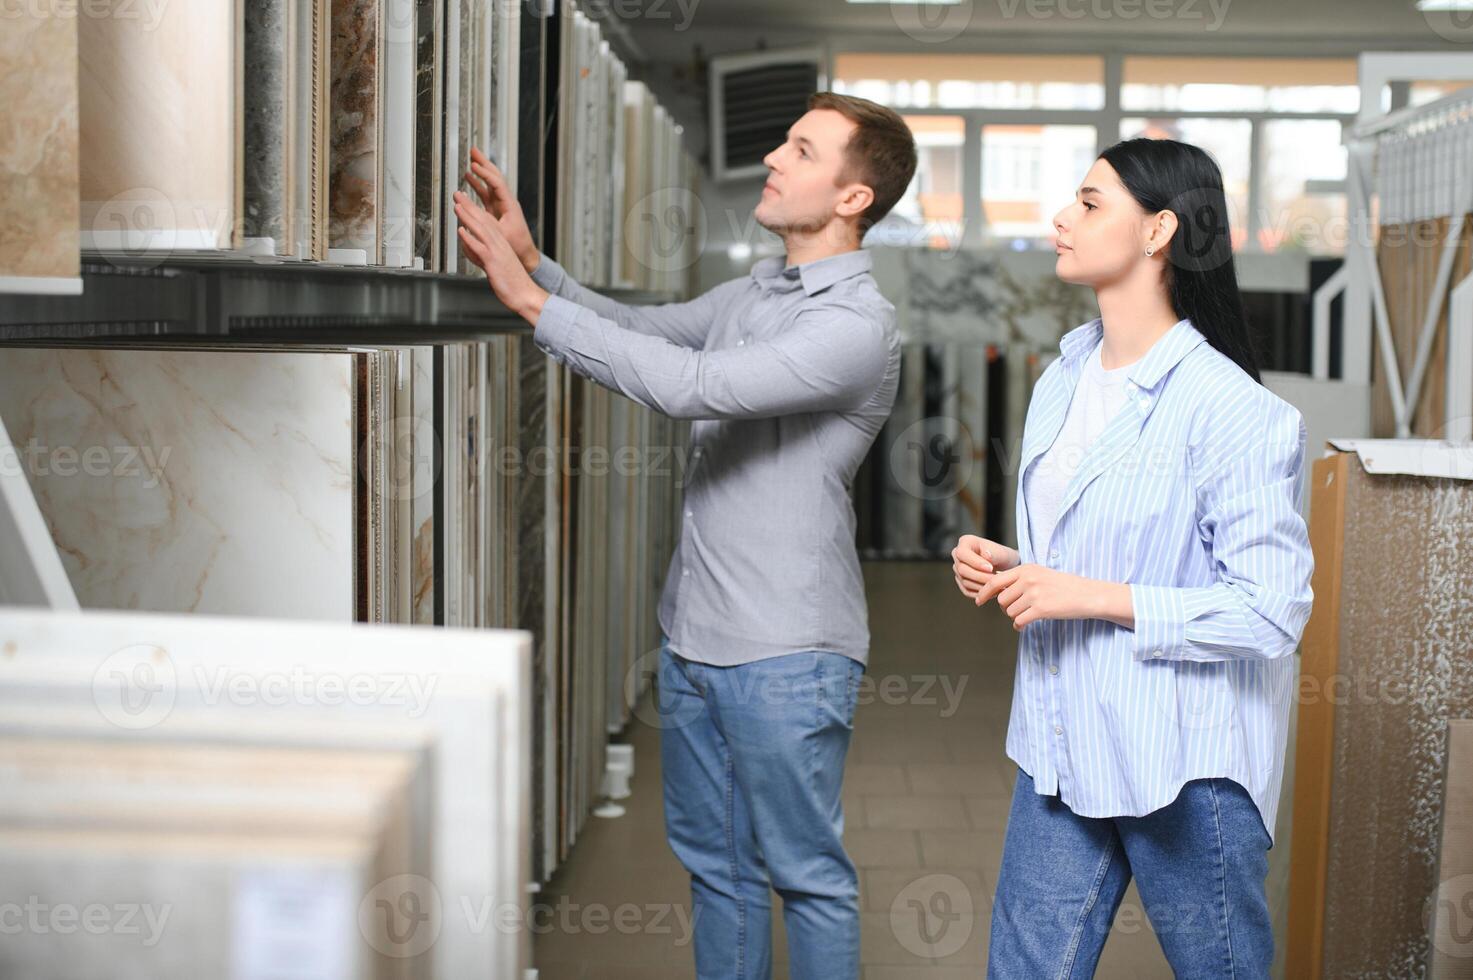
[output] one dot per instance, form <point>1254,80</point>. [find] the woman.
<point>1160,585</point>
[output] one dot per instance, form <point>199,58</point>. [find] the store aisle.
<point>927,790</point>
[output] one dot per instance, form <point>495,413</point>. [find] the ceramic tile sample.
<point>471,24</point>
<point>532,566</point>
<point>198,481</point>
<point>311,136</point>
<point>39,196</point>
<point>160,117</point>
<point>354,213</point>
<point>428,170</point>
<point>422,506</point>
<point>255,874</point>
<point>467,688</point>
<point>269,124</point>
<point>399,132</point>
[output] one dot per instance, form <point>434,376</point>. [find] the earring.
<point>1150,250</point>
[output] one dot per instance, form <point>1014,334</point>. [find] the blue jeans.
<point>1199,864</point>
<point>753,761</point>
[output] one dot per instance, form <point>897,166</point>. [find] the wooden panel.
<point>1314,745</point>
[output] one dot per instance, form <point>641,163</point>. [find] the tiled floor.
<point>927,789</point>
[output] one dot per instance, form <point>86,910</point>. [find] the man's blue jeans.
<point>1199,864</point>
<point>753,760</point>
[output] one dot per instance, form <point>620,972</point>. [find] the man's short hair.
<point>881,152</point>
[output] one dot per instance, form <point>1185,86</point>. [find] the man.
<point>788,375</point>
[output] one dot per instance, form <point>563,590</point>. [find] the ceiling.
<point>670,27</point>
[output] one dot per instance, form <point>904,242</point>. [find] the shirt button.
<point>689,514</point>
<point>1053,554</point>
<point>1053,668</point>
<point>686,573</point>
<point>1155,653</point>
<point>1058,730</point>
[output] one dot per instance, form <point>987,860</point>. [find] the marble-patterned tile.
<point>422,507</point>
<point>39,195</point>
<point>311,136</point>
<point>355,194</point>
<point>159,88</point>
<point>471,23</point>
<point>428,143</point>
<point>400,135</point>
<point>192,481</point>
<point>268,124</point>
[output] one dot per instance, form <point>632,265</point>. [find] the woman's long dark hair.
<point>1167,175</point>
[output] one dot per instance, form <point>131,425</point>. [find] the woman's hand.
<point>974,560</point>
<point>1031,592</point>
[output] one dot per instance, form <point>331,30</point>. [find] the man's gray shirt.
<point>788,375</point>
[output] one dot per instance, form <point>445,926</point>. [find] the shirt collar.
<point>814,276</point>
<point>1164,354</point>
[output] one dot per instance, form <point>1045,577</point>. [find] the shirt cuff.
<point>555,325</point>
<point>1160,621</point>
<point>548,274</point>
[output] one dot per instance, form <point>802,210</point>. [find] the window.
<point>1175,84</point>
<point>1302,170</point>
<point>1228,141</point>
<point>973,81</point>
<point>1032,125</point>
<point>1421,93</point>
<point>1029,173</point>
<point>930,213</point>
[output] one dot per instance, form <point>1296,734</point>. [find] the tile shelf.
<point>210,297</point>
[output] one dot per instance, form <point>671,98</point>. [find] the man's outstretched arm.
<point>686,324</point>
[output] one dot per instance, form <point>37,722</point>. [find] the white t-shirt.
<point>1097,397</point>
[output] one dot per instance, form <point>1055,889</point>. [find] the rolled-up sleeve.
<point>829,359</point>
<point>1260,552</point>
<point>686,324</point>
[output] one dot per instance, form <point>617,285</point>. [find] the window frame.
<point>1107,121</point>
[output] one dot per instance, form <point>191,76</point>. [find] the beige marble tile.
<point>160,128</point>
<point>192,481</point>
<point>39,191</point>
